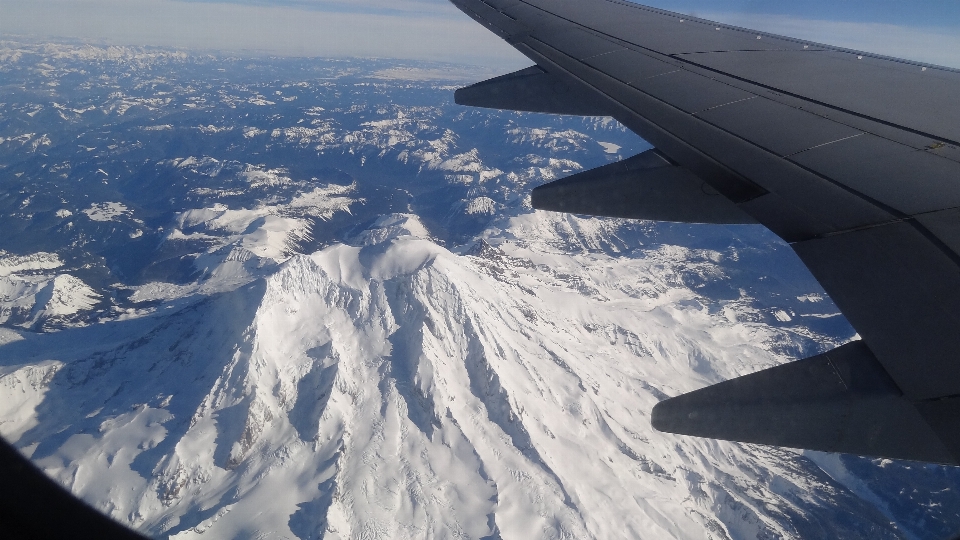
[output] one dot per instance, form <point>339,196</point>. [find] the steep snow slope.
<point>396,389</point>
<point>45,301</point>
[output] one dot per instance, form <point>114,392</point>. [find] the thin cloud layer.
<point>425,29</point>
<point>440,8</point>
<point>443,34</point>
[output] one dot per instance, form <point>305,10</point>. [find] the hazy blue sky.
<point>434,30</point>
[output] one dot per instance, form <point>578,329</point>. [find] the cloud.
<point>441,9</point>
<point>413,29</point>
<point>404,29</point>
<point>381,7</point>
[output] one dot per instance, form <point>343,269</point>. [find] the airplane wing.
<point>850,157</point>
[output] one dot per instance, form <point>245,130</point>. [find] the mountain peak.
<point>392,226</point>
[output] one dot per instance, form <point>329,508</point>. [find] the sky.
<point>926,31</point>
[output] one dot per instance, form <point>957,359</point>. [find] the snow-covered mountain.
<point>394,389</point>
<point>359,329</point>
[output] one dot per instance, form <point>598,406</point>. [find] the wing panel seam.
<point>788,156</point>
<point>822,104</point>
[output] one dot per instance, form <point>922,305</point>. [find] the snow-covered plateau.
<point>274,298</point>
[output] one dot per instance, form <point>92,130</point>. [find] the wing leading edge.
<point>852,158</point>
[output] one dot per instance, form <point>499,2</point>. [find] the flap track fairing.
<point>646,186</point>
<point>839,401</point>
<point>530,90</point>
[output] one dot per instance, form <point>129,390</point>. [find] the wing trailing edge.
<point>529,90</point>
<point>646,186</point>
<point>839,401</point>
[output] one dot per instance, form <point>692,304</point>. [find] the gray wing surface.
<point>852,158</point>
